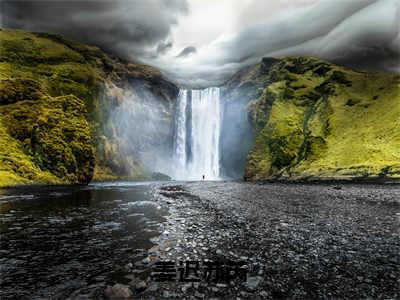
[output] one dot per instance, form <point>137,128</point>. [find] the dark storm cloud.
<point>187,51</point>
<point>350,31</point>
<point>128,28</point>
<point>363,34</point>
<point>164,47</point>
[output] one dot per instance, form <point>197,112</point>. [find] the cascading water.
<point>180,153</point>
<point>197,135</point>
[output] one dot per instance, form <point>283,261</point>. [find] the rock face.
<point>157,176</point>
<point>119,292</point>
<point>312,119</point>
<point>70,113</point>
<point>55,97</point>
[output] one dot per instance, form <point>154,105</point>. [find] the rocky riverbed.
<point>298,241</point>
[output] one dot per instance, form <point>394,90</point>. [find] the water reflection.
<point>55,240</point>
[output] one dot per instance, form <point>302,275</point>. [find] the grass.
<point>329,123</point>
<point>16,167</point>
<point>52,107</point>
<point>47,87</point>
<point>53,133</point>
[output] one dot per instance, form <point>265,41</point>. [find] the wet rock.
<point>199,295</point>
<point>168,294</point>
<point>141,286</point>
<point>100,278</point>
<point>184,288</point>
<point>152,287</point>
<point>119,292</point>
<point>261,238</point>
<point>263,294</point>
<point>146,261</point>
<point>139,264</point>
<point>215,289</point>
<point>158,176</point>
<point>253,283</point>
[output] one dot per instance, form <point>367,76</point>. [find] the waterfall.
<point>197,135</point>
<point>180,153</point>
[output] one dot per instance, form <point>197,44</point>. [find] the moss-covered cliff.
<point>54,96</point>
<point>313,119</point>
<point>310,119</point>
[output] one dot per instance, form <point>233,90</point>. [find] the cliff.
<point>70,113</point>
<point>315,120</point>
<point>54,96</point>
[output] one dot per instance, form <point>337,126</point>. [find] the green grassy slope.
<point>52,105</point>
<point>318,120</point>
<point>46,137</point>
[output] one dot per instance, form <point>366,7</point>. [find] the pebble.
<point>252,283</point>
<point>141,286</point>
<point>146,260</point>
<point>119,292</point>
<point>314,242</point>
<point>199,295</point>
<point>128,266</point>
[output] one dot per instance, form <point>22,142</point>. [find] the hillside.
<point>309,119</point>
<point>315,120</point>
<point>54,95</point>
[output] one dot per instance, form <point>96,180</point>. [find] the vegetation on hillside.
<point>52,106</point>
<point>317,120</point>
<point>311,119</point>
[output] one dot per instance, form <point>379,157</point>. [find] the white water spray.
<point>180,153</point>
<point>197,135</point>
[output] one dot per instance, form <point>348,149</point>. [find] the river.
<point>302,241</point>
<point>56,240</point>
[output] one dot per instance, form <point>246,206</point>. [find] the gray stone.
<point>252,283</point>
<point>141,286</point>
<point>199,295</point>
<point>158,176</point>
<point>146,260</point>
<point>119,291</point>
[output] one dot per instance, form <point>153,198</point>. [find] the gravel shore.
<point>296,241</point>
<point>299,241</point>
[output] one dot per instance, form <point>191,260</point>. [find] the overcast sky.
<point>202,42</point>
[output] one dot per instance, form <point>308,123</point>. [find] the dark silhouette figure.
<point>204,176</point>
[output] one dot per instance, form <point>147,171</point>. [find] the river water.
<point>299,241</point>
<point>57,240</point>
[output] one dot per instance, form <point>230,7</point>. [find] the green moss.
<point>55,135</point>
<point>52,104</point>
<point>29,49</point>
<point>46,89</point>
<point>16,167</point>
<point>319,120</point>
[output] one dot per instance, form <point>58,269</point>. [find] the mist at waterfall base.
<point>141,126</point>
<point>206,135</point>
